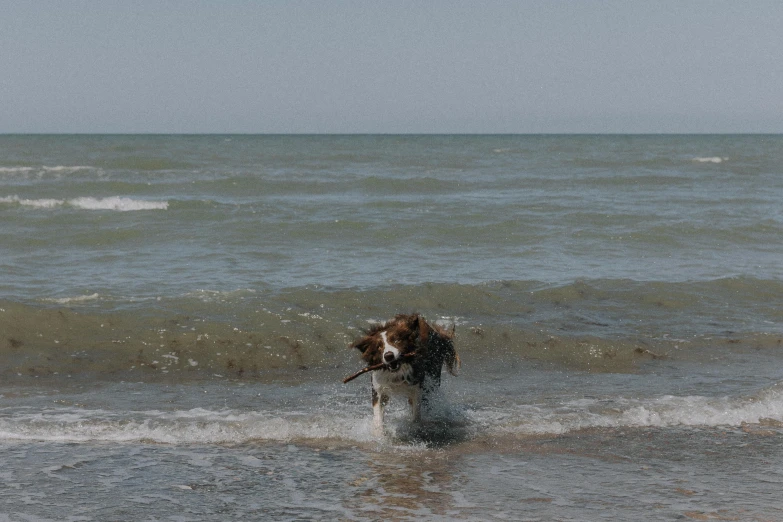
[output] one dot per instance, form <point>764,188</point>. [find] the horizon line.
<point>391,133</point>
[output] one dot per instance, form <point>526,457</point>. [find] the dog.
<point>410,354</point>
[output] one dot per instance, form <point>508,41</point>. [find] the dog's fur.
<point>415,376</point>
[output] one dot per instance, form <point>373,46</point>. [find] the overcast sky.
<point>391,66</point>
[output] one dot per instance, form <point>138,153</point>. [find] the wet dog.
<point>409,354</point>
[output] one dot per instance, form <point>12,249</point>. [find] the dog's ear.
<point>453,361</point>
<point>443,340</point>
<point>369,345</point>
<point>365,343</point>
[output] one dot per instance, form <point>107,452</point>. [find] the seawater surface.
<point>175,313</point>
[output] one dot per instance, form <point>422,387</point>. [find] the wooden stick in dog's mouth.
<point>378,366</point>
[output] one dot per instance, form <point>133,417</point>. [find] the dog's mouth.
<point>396,364</point>
<point>393,363</point>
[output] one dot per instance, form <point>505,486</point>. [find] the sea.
<point>176,313</point>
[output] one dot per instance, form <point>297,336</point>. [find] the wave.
<point>36,203</point>
<point>73,300</point>
<point>668,411</point>
<point>350,422</point>
<point>115,203</point>
<point>710,159</point>
<point>195,426</point>
<point>596,326</point>
<point>57,169</point>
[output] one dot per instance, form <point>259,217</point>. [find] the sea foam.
<point>352,423</point>
<point>73,300</point>
<point>656,412</point>
<point>195,426</point>
<point>43,169</point>
<point>710,159</point>
<point>116,203</point>
<point>36,203</point>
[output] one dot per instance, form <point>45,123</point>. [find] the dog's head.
<point>407,338</point>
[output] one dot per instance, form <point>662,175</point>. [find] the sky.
<point>393,66</point>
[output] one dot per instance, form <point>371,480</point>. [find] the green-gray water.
<point>175,313</point>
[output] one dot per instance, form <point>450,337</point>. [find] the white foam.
<point>67,168</point>
<point>42,170</point>
<point>352,423</point>
<point>116,203</point>
<point>76,299</point>
<point>196,426</point>
<point>711,159</point>
<point>660,412</point>
<point>15,170</point>
<point>704,411</point>
<point>37,203</point>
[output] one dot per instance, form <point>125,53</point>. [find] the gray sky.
<point>391,66</point>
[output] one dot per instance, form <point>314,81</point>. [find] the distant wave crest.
<point>710,159</point>
<point>44,168</point>
<point>72,300</point>
<point>116,203</point>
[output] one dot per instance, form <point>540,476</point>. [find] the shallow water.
<point>175,313</point>
<point>647,475</point>
<point>502,446</point>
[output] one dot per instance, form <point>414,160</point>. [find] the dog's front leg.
<point>379,400</point>
<point>414,400</point>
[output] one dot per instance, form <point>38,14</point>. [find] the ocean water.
<point>175,313</point>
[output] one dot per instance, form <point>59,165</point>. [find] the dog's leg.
<point>378,402</point>
<point>414,400</point>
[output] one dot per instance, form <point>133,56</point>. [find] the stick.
<point>363,371</point>
<point>373,368</point>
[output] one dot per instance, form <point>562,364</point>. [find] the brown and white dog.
<point>411,353</point>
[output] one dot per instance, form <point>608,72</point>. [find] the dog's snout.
<point>388,356</point>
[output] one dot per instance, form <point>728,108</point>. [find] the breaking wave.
<point>351,422</point>
<point>598,326</point>
<point>44,170</point>
<point>710,159</point>
<point>115,203</point>
<point>764,408</point>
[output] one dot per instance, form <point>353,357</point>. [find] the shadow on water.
<point>434,434</point>
<point>443,424</point>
